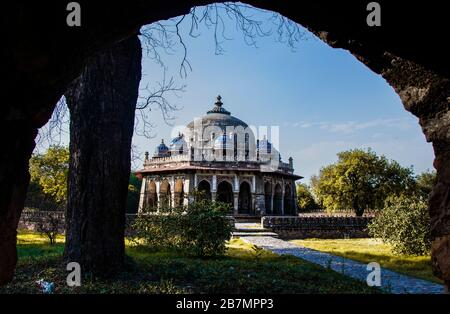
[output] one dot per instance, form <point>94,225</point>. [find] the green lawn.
<point>373,250</point>
<point>242,270</point>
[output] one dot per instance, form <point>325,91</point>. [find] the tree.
<point>305,199</point>
<point>49,173</point>
<point>405,224</point>
<point>361,180</point>
<point>102,102</point>
<point>425,183</point>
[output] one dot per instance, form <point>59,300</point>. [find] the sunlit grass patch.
<point>368,250</point>
<point>36,246</point>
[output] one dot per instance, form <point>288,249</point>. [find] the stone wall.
<point>331,227</point>
<point>30,220</point>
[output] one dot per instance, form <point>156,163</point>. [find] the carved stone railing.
<point>251,164</point>
<point>163,160</point>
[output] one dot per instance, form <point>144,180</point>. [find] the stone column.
<point>252,204</point>
<point>158,197</point>
<point>282,200</point>
<point>236,202</point>
<point>271,203</point>
<point>172,192</point>
<point>213,196</point>
<point>261,200</point>
<point>142,194</point>
<point>294,197</point>
<point>253,184</point>
<point>236,183</point>
<point>214,183</point>
<point>186,192</point>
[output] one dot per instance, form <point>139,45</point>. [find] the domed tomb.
<point>219,130</point>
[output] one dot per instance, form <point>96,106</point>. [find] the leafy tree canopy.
<point>424,184</point>
<point>360,180</point>
<point>49,171</point>
<point>305,198</point>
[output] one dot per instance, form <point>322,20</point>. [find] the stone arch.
<point>178,193</point>
<point>246,180</point>
<point>268,197</point>
<point>204,188</point>
<point>151,197</point>
<point>392,55</point>
<point>288,201</point>
<point>277,199</point>
<point>225,193</point>
<point>245,198</point>
<point>165,194</point>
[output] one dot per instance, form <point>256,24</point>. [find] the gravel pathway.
<point>390,281</point>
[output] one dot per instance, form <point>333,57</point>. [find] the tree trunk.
<point>102,102</point>
<point>14,178</point>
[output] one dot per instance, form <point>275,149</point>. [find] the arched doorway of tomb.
<point>164,195</point>
<point>178,193</point>
<point>151,200</point>
<point>204,189</point>
<point>288,204</point>
<point>245,198</point>
<point>268,197</point>
<point>277,198</point>
<point>225,193</point>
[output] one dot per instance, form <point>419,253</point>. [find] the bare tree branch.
<point>156,98</point>
<point>161,38</point>
<point>53,132</point>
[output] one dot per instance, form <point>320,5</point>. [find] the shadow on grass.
<point>169,271</point>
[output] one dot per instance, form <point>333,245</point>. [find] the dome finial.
<point>218,107</point>
<point>219,101</point>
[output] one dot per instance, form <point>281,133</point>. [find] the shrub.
<point>205,228</point>
<point>156,231</point>
<point>200,229</point>
<point>404,223</point>
<point>50,225</point>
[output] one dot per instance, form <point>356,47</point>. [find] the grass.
<point>33,245</point>
<point>368,250</point>
<point>243,269</point>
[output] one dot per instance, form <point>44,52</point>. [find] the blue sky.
<point>323,99</point>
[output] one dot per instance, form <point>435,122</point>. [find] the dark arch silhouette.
<point>225,193</point>
<point>288,202</point>
<point>204,189</point>
<point>164,195</point>
<point>245,199</point>
<point>151,202</point>
<point>178,193</point>
<point>277,197</point>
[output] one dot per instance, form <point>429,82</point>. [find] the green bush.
<point>404,223</point>
<point>156,231</point>
<point>200,229</point>
<point>205,228</point>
